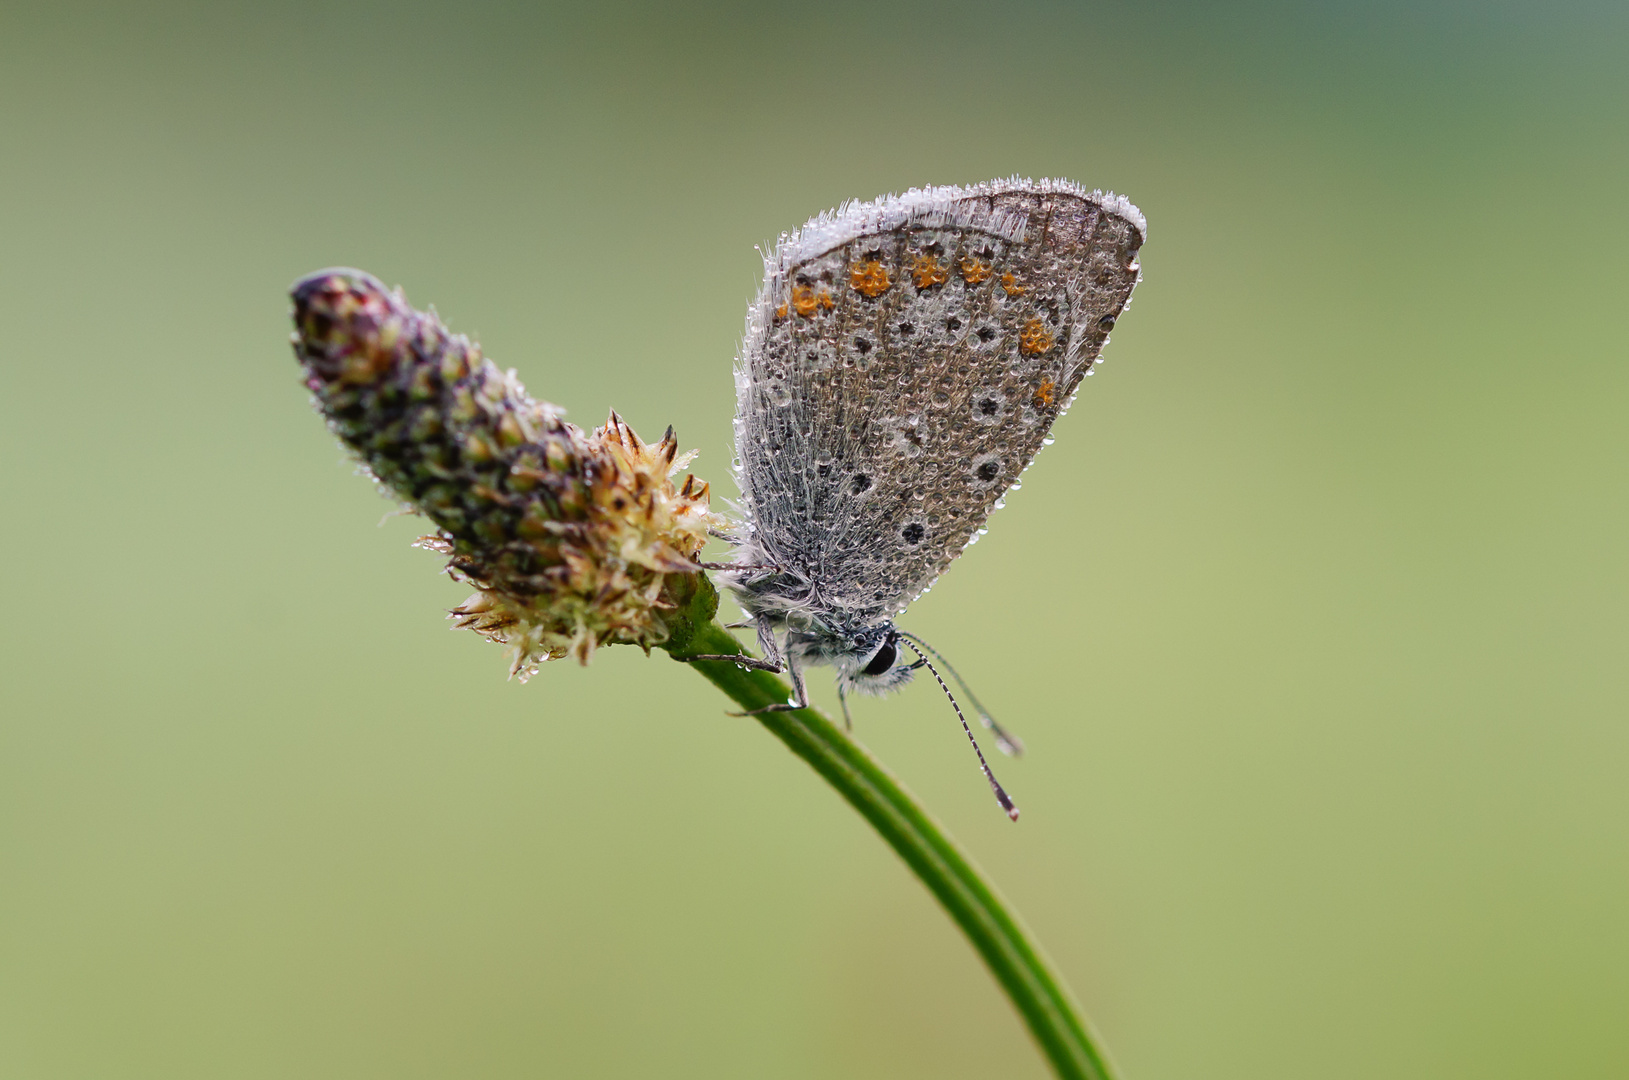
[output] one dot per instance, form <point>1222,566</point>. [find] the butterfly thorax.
<point>818,632</point>
<point>868,659</point>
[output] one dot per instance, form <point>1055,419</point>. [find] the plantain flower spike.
<point>571,540</point>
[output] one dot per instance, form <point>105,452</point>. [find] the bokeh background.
<point>1314,618</point>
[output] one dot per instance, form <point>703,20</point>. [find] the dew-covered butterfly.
<point>903,362</point>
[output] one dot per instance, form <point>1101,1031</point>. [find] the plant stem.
<point>995,931</point>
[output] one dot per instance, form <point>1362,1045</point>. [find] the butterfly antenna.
<point>1000,793</point>
<point>1010,744</point>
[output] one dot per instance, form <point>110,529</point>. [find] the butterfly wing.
<point>903,363</point>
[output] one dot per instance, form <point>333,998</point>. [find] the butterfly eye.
<point>883,660</point>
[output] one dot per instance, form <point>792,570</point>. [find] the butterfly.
<point>903,362</point>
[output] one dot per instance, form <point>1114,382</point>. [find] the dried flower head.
<point>571,540</point>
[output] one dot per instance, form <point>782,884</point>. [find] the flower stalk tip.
<point>571,539</point>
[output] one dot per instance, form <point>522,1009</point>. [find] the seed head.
<point>572,540</point>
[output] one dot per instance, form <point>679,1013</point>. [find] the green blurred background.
<point>1314,618</point>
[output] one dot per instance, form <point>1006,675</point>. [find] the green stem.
<point>995,931</point>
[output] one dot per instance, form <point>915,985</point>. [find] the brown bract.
<point>572,539</point>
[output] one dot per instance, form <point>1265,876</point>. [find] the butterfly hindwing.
<point>904,361</point>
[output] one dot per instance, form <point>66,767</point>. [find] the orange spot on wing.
<point>780,313</point>
<point>927,271</point>
<point>824,300</point>
<point>1043,394</point>
<point>1034,339</point>
<point>974,272</point>
<point>1009,281</point>
<point>803,301</point>
<point>870,278</point>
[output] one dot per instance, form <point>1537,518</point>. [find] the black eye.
<point>989,470</point>
<point>989,406</point>
<point>862,344</point>
<point>913,532</point>
<point>882,661</point>
<point>1106,322</point>
<point>953,323</point>
<point>907,329</point>
<point>860,484</point>
<point>986,334</point>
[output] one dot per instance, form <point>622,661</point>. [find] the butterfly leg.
<point>800,693</point>
<point>766,645</point>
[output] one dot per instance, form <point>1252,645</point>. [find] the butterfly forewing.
<point>903,363</point>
